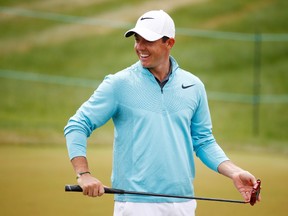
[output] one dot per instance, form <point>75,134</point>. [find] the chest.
<point>147,94</point>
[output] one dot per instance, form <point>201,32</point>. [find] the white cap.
<point>153,25</point>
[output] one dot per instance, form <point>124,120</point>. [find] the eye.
<point>136,38</point>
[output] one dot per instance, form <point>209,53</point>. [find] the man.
<point>161,116</point>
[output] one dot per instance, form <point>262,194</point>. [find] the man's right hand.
<point>91,186</point>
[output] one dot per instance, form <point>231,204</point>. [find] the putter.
<point>255,192</point>
<point>253,199</point>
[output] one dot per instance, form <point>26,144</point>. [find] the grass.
<point>237,16</point>
<point>35,45</point>
<point>38,188</point>
<point>34,178</point>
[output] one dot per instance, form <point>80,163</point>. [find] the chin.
<point>145,65</point>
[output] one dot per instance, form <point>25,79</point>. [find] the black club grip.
<point>77,188</point>
<point>73,188</point>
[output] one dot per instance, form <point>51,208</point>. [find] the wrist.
<point>229,169</point>
<point>82,173</point>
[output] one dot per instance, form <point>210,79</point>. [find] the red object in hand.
<point>255,192</point>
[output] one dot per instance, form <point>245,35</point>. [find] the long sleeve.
<point>204,143</point>
<point>92,114</point>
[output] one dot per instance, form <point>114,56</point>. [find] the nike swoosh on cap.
<point>188,86</point>
<point>144,18</point>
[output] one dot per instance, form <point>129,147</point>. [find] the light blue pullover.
<point>156,131</point>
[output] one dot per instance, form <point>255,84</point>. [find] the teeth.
<point>144,55</point>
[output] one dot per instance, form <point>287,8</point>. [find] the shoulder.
<point>122,79</point>
<point>123,75</point>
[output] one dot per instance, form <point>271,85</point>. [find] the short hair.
<point>165,38</point>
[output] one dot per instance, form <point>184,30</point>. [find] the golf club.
<point>254,195</point>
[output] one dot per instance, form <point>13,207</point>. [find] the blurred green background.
<point>53,54</point>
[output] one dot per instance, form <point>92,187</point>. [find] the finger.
<point>254,182</point>
<point>88,191</point>
<point>246,195</point>
<point>95,192</point>
<point>91,192</point>
<point>85,191</point>
<point>101,190</point>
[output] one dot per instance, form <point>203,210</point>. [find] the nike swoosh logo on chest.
<point>187,86</point>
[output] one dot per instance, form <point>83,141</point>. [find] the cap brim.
<point>145,33</point>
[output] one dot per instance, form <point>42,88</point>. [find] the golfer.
<point>161,118</point>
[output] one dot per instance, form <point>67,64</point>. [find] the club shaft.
<point>77,188</point>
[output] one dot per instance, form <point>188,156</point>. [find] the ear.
<point>170,42</point>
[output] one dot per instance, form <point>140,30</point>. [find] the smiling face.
<point>154,55</point>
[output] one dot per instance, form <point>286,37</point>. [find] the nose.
<point>138,45</point>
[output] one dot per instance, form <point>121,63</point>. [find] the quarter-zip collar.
<point>170,75</point>
<point>174,66</point>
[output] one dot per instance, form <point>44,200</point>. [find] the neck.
<point>161,72</point>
